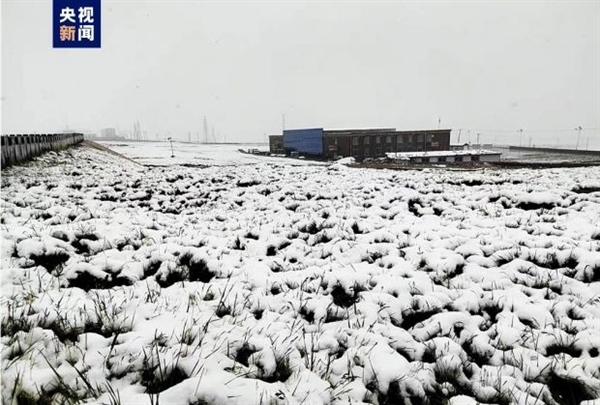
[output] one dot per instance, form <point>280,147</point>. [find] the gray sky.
<point>488,67</point>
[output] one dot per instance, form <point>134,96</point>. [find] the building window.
<point>458,159</point>
<point>388,139</point>
<point>399,139</point>
<point>420,138</point>
<point>442,159</point>
<point>355,141</point>
<point>410,139</point>
<point>475,158</point>
<point>378,139</point>
<point>367,140</point>
<point>367,151</point>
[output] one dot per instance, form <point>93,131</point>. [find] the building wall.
<point>18,148</point>
<point>357,143</point>
<point>305,141</point>
<point>456,159</point>
<point>362,144</point>
<point>276,144</point>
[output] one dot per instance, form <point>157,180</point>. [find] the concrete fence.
<point>18,148</point>
<point>557,150</point>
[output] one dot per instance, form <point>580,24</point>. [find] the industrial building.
<point>358,143</point>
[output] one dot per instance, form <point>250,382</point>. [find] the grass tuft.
<point>50,261</point>
<point>568,390</point>
<point>345,299</point>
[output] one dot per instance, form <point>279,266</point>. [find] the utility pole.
<point>171,142</point>
<point>578,129</point>
<point>282,123</point>
<point>478,144</point>
<point>520,137</point>
<point>530,139</point>
<point>459,131</point>
<point>137,131</point>
<point>439,122</point>
<point>205,130</point>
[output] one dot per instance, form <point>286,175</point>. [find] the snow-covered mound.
<point>346,160</point>
<point>274,284</point>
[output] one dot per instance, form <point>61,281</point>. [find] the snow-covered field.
<point>159,153</point>
<point>279,284</point>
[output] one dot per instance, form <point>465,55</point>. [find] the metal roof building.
<point>358,143</point>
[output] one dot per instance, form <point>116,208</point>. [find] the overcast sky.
<point>485,67</point>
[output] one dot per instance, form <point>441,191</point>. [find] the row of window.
<point>442,159</point>
<point>379,152</point>
<point>389,139</point>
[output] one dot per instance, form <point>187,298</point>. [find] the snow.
<point>346,160</point>
<point>159,154</point>
<point>439,153</point>
<point>267,281</point>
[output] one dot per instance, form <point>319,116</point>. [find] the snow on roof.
<point>441,153</point>
<point>359,129</point>
<point>384,129</point>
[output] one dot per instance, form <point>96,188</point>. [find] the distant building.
<point>88,135</point>
<point>460,146</point>
<point>108,133</point>
<point>358,143</point>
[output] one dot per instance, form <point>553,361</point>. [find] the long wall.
<point>18,148</point>
<point>555,150</point>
